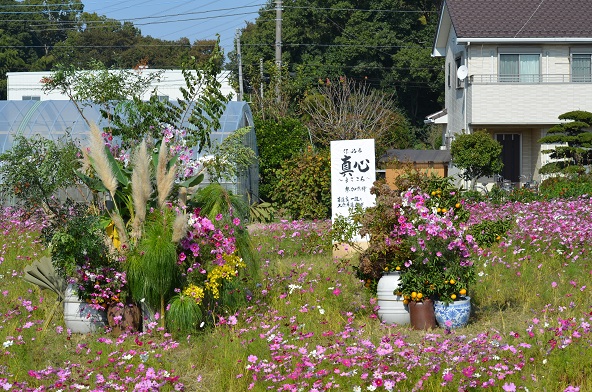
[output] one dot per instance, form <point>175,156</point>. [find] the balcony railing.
<point>528,79</point>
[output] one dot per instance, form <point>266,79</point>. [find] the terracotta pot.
<point>124,318</point>
<point>422,314</point>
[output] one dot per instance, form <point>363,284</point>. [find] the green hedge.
<point>277,142</point>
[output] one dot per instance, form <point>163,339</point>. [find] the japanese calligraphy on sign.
<point>353,172</point>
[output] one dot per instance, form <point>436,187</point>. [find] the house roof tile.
<point>521,18</point>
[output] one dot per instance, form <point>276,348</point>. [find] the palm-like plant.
<point>153,272</point>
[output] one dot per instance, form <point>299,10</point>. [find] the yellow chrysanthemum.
<point>227,271</point>
<point>195,292</point>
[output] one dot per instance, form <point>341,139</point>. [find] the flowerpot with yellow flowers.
<point>440,266</point>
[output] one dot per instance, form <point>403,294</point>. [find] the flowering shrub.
<point>384,254</point>
<point>101,286</point>
<point>80,254</point>
<point>439,264</point>
<point>210,264</point>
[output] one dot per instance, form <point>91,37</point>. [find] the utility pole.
<point>278,45</point>
<point>240,66</point>
<point>261,74</point>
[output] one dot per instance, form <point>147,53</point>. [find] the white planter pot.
<point>79,316</point>
<point>392,310</point>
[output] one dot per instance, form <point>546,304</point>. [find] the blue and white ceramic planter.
<point>453,315</point>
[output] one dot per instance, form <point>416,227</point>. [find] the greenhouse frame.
<point>54,119</point>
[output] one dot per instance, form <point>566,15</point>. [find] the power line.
<point>340,45</point>
<point>92,25</point>
<point>362,10</point>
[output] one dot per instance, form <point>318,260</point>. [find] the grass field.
<point>311,326</point>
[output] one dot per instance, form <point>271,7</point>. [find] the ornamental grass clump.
<point>439,264</point>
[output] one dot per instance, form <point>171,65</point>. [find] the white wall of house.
<point>28,85</point>
<point>524,103</point>
<point>520,103</point>
<point>491,102</point>
<point>454,93</point>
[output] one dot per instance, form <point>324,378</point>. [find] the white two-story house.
<point>512,67</point>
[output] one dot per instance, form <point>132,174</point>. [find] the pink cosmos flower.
<point>509,387</point>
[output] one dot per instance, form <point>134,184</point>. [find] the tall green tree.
<point>28,31</point>
<point>573,139</point>
<point>101,38</point>
<point>357,39</point>
<point>122,45</point>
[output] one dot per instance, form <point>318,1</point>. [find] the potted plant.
<point>154,202</point>
<point>80,254</point>
<point>439,266</point>
<point>377,266</point>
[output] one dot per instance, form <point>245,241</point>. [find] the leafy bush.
<point>303,188</point>
<point>523,195</point>
<point>277,141</point>
<point>488,232</point>
<point>498,195</point>
<point>35,169</point>
<point>566,187</point>
<point>377,222</point>
<point>477,154</point>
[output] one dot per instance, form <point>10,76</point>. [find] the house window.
<point>31,98</point>
<point>581,68</point>
<point>520,68</point>
<point>458,63</point>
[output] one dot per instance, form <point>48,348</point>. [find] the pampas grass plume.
<point>141,188</point>
<point>165,179</point>
<point>179,228</point>
<point>100,161</point>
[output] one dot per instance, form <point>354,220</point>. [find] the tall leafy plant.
<point>477,154</point>
<point>119,93</point>
<point>303,188</point>
<point>153,272</point>
<point>35,169</point>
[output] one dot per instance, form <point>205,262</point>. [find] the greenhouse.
<point>53,119</point>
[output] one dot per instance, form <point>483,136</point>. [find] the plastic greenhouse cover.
<point>53,119</point>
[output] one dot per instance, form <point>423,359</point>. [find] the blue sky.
<point>173,19</point>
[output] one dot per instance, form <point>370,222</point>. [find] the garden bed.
<point>311,325</point>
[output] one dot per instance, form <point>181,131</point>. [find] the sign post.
<point>353,172</point>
